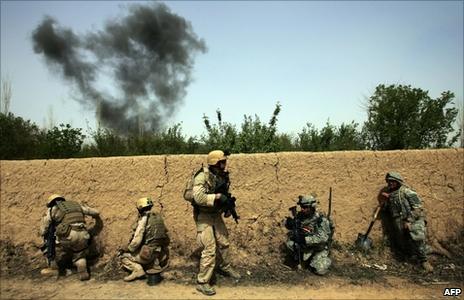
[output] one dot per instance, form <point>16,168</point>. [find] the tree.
<point>18,138</point>
<point>5,98</point>
<point>402,117</point>
<point>61,142</point>
<point>461,123</point>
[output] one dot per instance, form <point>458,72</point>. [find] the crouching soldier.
<point>310,236</point>
<point>148,247</point>
<point>65,234</point>
<point>404,209</point>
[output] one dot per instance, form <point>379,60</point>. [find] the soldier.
<point>404,208</point>
<point>66,219</point>
<point>310,236</point>
<point>212,235</point>
<point>148,247</point>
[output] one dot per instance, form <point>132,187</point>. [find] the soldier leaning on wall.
<point>148,246</point>
<point>69,237</point>
<point>404,209</point>
<point>212,234</point>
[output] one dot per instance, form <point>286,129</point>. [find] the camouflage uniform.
<point>316,231</point>
<point>148,247</point>
<point>212,234</point>
<point>405,206</point>
<point>72,237</point>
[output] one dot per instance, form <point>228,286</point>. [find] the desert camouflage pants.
<point>214,240</point>
<point>158,261</point>
<point>73,247</point>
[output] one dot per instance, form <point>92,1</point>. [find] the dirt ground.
<point>336,288</point>
<point>353,275</point>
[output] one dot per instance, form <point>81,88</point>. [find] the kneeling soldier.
<point>63,228</point>
<point>309,236</point>
<point>148,247</point>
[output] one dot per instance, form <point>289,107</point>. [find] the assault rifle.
<point>296,236</point>
<point>229,209</point>
<point>48,248</point>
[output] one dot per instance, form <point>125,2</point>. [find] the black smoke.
<point>148,53</point>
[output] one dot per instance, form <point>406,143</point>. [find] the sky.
<point>319,60</point>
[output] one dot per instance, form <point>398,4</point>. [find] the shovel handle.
<point>377,210</point>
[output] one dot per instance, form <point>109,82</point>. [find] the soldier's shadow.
<point>96,246</point>
<point>396,243</point>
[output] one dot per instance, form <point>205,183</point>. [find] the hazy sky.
<point>318,59</point>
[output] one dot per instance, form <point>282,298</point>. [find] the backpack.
<point>188,191</point>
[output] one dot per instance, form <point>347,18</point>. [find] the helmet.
<point>394,176</point>
<point>144,202</point>
<point>51,200</point>
<point>215,156</point>
<point>305,201</point>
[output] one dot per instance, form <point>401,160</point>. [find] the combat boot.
<point>81,265</point>
<point>49,272</point>
<point>229,271</point>
<point>206,289</point>
<point>52,270</point>
<point>428,268</point>
<point>137,272</point>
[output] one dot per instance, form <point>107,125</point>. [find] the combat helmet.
<point>307,201</point>
<point>215,156</point>
<point>395,176</point>
<point>144,202</point>
<point>52,199</point>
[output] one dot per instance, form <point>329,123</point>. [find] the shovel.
<point>363,242</point>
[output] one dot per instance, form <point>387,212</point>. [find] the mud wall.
<point>264,184</point>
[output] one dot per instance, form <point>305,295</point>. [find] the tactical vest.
<point>311,225</point>
<point>155,230</point>
<point>213,183</point>
<point>398,204</point>
<point>70,212</point>
<point>314,225</point>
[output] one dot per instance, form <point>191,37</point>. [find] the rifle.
<point>48,247</point>
<point>329,244</point>
<point>230,206</point>
<point>296,236</point>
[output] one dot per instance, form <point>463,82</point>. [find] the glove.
<point>222,201</point>
<point>289,223</point>
<point>383,197</point>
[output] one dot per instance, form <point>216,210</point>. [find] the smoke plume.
<point>148,54</point>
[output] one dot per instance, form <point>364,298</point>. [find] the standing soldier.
<point>212,235</point>
<point>148,247</point>
<point>310,236</point>
<point>63,226</point>
<point>404,207</point>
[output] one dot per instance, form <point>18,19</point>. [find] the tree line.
<point>398,117</point>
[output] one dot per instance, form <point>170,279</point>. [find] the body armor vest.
<point>70,212</point>
<point>310,225</point>
<point>214,184</point>
<point>155,230</point>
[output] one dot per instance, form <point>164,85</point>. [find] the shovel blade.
<point>363,243</point>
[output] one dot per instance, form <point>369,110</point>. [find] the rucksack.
<point>188,191</point>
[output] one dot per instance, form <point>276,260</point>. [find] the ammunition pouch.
<point>62,230</point>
